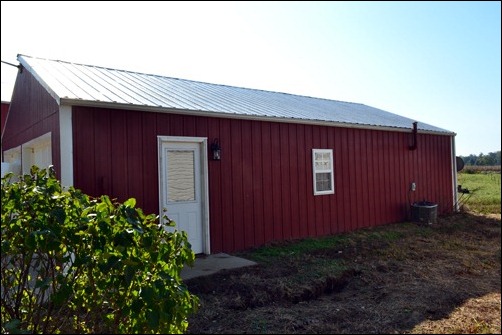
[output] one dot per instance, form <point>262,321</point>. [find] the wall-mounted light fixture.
<point>216,149</point>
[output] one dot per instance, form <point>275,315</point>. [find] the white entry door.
<point>182,191</point>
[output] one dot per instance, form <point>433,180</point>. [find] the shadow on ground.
<point>414,283</point>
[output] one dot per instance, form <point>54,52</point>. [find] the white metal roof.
<point>78,84</point>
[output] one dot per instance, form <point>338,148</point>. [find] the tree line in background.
<point>492,158</point>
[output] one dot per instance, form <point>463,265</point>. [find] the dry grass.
<point>441,278</point>
<point>476,316</point>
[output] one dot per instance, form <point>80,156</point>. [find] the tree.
<point>492,158</point>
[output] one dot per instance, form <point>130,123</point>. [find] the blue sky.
<point>436,62</point>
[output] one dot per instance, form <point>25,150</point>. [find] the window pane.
<point>323,182</point>
<point>180,176</point>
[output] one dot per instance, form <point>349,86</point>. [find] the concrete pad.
<point>205,265</point>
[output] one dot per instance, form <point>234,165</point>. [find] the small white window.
<point>322,163</point>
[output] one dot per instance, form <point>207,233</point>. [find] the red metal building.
<point>289,167</point>
<point>4,111</point>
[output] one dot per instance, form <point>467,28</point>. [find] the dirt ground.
<point>395,279</point>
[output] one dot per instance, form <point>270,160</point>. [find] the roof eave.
<point>160,109</point>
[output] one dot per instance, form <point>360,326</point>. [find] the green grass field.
<point>484,192</point>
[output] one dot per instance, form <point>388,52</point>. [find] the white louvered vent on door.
<point>181,179</point>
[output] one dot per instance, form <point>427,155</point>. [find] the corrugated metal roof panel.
<point>98,84</point>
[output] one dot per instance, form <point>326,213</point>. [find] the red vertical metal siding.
<point>266,189</point>
<point>322,201</point>
<point>304,183</point>
<point>258,222</point>
<point>4,112</point>
<point>103,162</point>
<point>293,185</point>
<point>285,186</point>
<point>275,156</point>
<point>332,220</point>
<point>83,158</point>
<point>380,165</point>
<point>33,113</point>
<point>237,190</point>
<point>227,190</point>
<point>339,182</point>
<point>247,185</point>
<point>349,187</point>
<point>309,200</point>
<point>148,139</point>
<point>215,191</point>
<point>358,185</point>
<point>262,190</point>
<point>120,155</point>
<point>371,175</point>
<point>392,177</point>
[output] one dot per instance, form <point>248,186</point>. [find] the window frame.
<point>315,171</point>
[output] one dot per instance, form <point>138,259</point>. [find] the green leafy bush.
<point>76,264</point>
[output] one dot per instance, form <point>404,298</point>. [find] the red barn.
<point>234,167</point>
<point>4,111</point>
